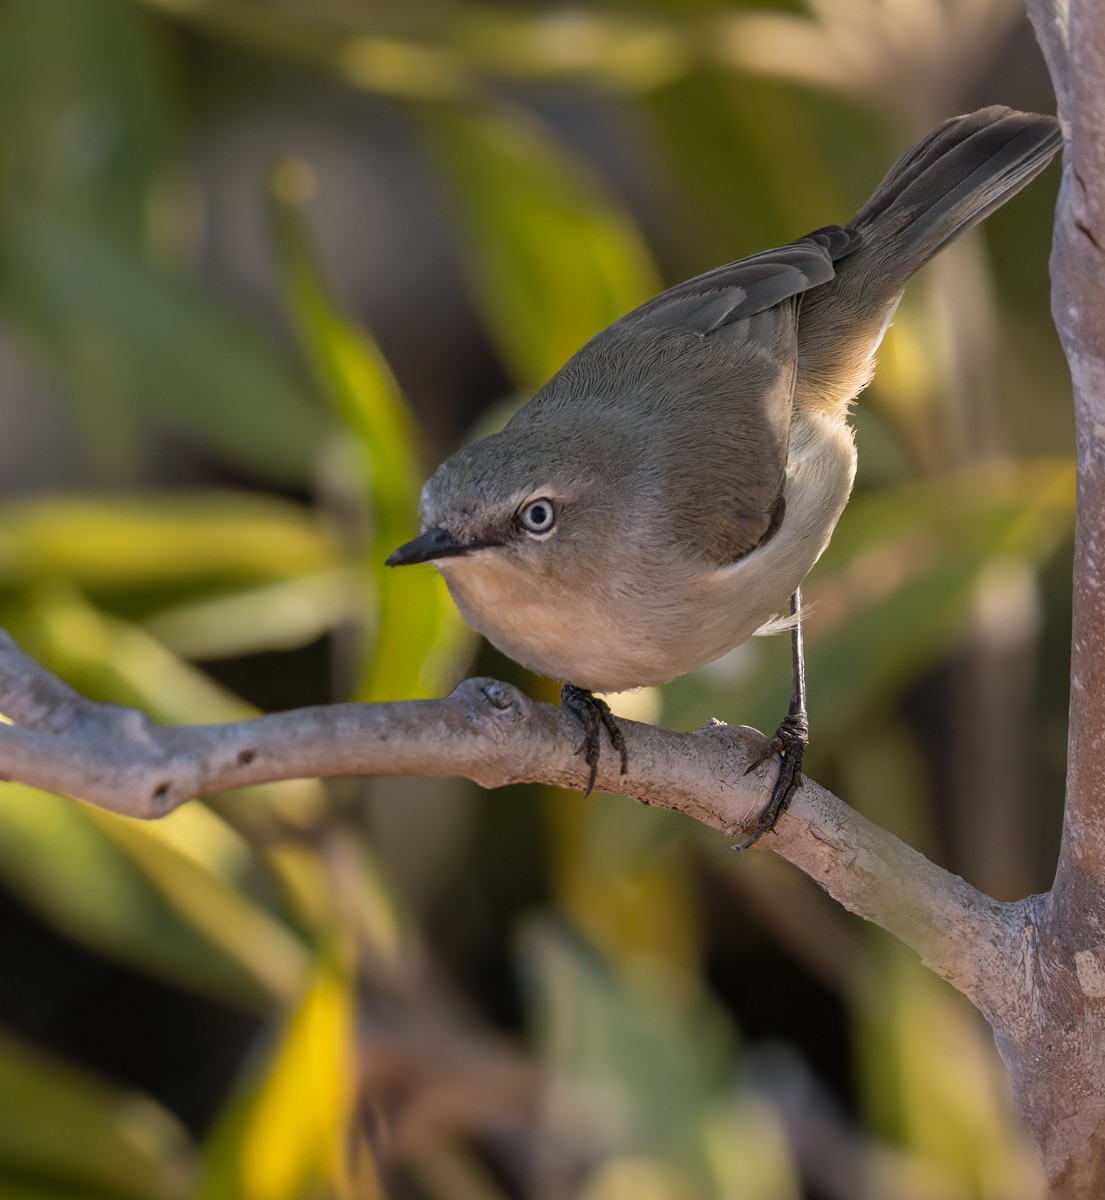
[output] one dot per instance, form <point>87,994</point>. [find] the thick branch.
<point>1051,23</point>
<point>1078,305</point>
<point>1056,1051</point>
<point>490,732</point>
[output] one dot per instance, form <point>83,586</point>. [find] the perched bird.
<point>661,497</point>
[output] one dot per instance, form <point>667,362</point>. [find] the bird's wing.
<point>734,385</point>
<point>697,386</point>
<point>743,289</point>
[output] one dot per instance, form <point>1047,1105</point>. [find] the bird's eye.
<point>538,516</point>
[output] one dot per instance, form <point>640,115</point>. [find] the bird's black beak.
<point>433,543</point>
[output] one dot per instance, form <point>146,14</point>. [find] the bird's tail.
<point>952,179</point>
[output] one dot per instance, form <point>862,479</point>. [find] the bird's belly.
<point>613,643</point>
<point>576,638</point>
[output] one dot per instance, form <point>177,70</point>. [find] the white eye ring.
<point>538,517</point>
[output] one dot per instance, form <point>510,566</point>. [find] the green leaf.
<point>112,885</point>
<point>752,182</point>
<point>653,1060</point>
<point>117,328</point>
<point>553,258</point>
<point>416,638</point>
<point>644,1064</point>
<point>283,615</point>
<point>88,109</point>
<point>67,1136</point>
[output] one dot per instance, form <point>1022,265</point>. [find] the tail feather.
<point>955,177</point>
<point>952,179</point>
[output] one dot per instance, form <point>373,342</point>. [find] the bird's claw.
<point>789,743</point>
<point>594,715</point>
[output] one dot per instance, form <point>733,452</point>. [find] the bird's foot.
<point>789,743</point>
<point>594,715</point>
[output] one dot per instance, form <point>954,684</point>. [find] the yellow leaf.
<point>287,1135</point>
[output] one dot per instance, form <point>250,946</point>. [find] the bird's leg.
<point>593,714</point>
<point>790,738</point>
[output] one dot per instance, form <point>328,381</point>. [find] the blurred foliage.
<point>524,202</point>
<point>285,1134</point>
<point>368,402</point>
<point>262,260</point>
<point>64,1134</point>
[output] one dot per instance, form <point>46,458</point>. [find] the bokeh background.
<point>262,264</point>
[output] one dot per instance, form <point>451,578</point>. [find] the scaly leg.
<point>790,738</point>
<point>593,714</point>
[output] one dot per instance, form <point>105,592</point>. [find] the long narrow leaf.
<point>416,637</point>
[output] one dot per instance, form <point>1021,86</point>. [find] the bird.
<point>665,493</point>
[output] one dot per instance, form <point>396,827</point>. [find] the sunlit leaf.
<point>285,1137</point>
<point>249,620</point>
<point>161,539</point>
<point>405,52</point>
<point>628,50</point>
<point>67,1136</point>
<point>747,1151</point>
<point>223,914</point>
<point>113,660</point>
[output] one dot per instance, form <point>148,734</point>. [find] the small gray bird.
<point>658,500</point>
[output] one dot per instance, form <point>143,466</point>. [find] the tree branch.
<point>1054,1047</point>
<point>1078,306</point>
<point>491,733</point>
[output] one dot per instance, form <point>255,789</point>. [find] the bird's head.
<point>505,501</point>
<point>537,533</point>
